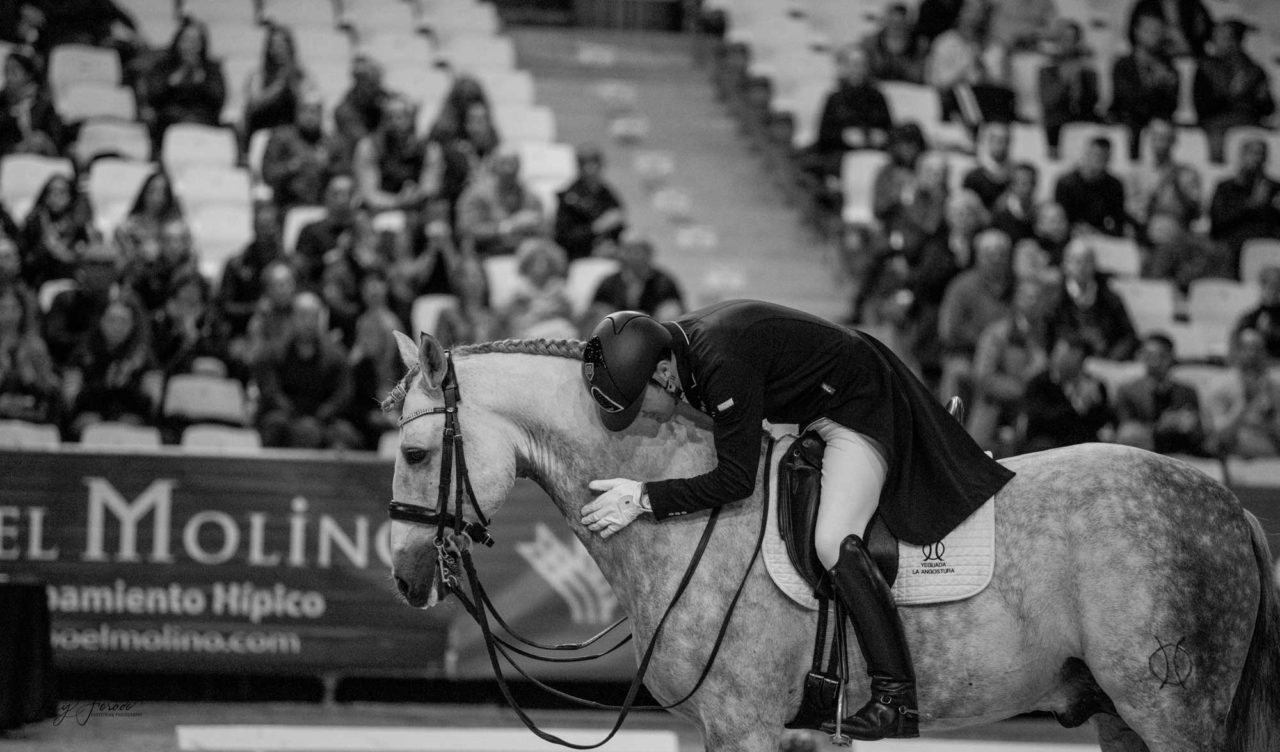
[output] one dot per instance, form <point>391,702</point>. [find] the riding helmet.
<point>618,363</point>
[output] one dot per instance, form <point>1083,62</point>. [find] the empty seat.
<point>201,185</point>
<point>428,310</point>
<point>555,163</point>
<point>19,434</point>
<point>220,231</point>
<point>89,99</point>
<point>916,102</point>
<point>1219,303</point>
<point>111,435</point>
<point>297,218</point>
<point>513,87</point>
<point>1151,302</point>
<point>503,280</point>
<point>300,14</point>
<point>52,289</point>
<point>371,17</point>
<point>403,48</point>
<point>1118,256</point>
<point>585,276</point>
<point>191,144</point>
<point>1195,342</point>
<point>857,177</point>
<point>317,45</point>
<point>222,13</point>
<point>113,188</point>
<point>1028,144</point>
<point>1257,254</point>
<point>463,20</point>
<point>1203,378</point>
<point>517,124</point>
<point>219,438</point>
<point>1264,471</point>
<point>473,53</point>
<point>198,399</point>
<point>81,63</point>
<point>1114,373</point>
<point>235,39</point>
<point>22,176</point>
<point>1025,68</point>
<point>110,136</point>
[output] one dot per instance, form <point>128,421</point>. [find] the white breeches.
<point>853,472</point>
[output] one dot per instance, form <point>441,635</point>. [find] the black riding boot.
<point>866,596</point>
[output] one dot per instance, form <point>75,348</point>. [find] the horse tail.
<point>1253,725</point>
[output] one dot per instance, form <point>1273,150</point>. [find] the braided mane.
<point>558,348</point>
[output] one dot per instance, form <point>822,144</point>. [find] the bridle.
<point>453,554</point>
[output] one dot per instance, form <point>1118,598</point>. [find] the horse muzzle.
<point>417,575</point>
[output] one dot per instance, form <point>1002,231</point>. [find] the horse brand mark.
<point>934,551</point>
<point>1170,663</point>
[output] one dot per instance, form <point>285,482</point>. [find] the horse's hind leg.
<point>1114,735</point>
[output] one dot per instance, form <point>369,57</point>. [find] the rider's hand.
<point>615,508</point>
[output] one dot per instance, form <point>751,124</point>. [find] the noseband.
<point>450,447</point>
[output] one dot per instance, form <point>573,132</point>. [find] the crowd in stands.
<point>1008,266</point>
<point>98,315</point>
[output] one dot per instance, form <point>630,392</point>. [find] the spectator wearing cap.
<point>29,123</point>
<point>1015,209</point>
<point>1068,82</point>
<point>1187,24</point>
<point>74,312</point>
<point>1088,308</point>
<point>138,236</point>
<point>55,232</point>
<point>394,169</point>
<point>1265,318</point>
<point>496,212</point>
<point>110,377</point>
<point>185,85</point>
<point>1022,24</point>
<point>1246,205</point>
<point>1144,82</point>
<point>990,178</point>
<point>360,110</point>
<point>1243,407</point>
<point>1010,351</point>
<point>976,298</point>
<point>854,116</point>
<point>300,157</point>
<point>305,384</point>
<point>588,210</point>
<point>336,228</point>
<point>540,306</point>
<point>187,329</point>
<point>241,286</point>
<point>29,386</point>
<point>273,92</point>
<point>1230,89</point>
<point>1181,256</point>
<point>1064,404</point>
<point>1090,194</point>
<point>638,285</point>
<point>894,51</point>
<point>1155,411</point>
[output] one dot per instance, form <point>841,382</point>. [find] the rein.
<point>455,563</point>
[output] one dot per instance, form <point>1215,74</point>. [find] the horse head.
<point>490,463</point>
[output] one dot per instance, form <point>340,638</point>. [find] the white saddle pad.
<point>955,568</point>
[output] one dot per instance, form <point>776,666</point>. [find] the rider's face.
<point>659,403</point>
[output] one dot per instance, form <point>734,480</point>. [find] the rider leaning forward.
<point>889,446</point>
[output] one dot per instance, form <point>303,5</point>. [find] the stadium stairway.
<point>674,155</point>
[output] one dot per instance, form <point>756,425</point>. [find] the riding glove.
<point>622,501</point>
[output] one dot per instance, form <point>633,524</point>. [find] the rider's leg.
<point>853,473</point>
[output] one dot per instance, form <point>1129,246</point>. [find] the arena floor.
<point>297,727</point>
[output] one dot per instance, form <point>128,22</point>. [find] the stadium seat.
<point>1201,377</point>
<point>219,231</point>
<point>81,63</point>
<point>462,20</point>
<point>1257,254</point>
<point>401,48</point>
<point>113,188</point>
<point>188,144</point>
<point>219,438</point>
<point>221,13</point>
<point>300,14</point>
<point>19,434</point>
<point>90,99</point>
<point>857,177</point>
<point>517,124</point>
<point>916,102</point>
<point>1025,68</point>
<point>1261,472</point>
<point>1118,256</point>
<point>1186,112</point>
<point>507,87</point>
<point>503,279</point>
<point>1113,373</point>
<point>803,103</point>
<point>22,176</point>
<point>1050,172</point>
<point>320,44</point>
<point>199,399</point>
<point>52,289</point>
<point>1151,303</point>
<point>113,137</point>
<point>585,276</point>
<point>157,20</point>
<point>1219,303</point>
<point>112,435</point>
<point>474,53</point>
<point>1195,343</point>
<point>200,185</point>
<point>427,310</point>
<point>235,39</point>
<point>1028,144</point>
<point>372,17</point>
<point>297,218</point>
<point>555,163</point>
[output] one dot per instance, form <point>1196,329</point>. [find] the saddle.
<point>799,492</point>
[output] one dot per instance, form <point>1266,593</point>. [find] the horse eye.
<point>414,456</point>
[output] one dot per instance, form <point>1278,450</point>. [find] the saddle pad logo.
<point>931,562</point>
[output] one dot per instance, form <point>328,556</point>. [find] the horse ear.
<point>408,350</point>
<point>431,359</point>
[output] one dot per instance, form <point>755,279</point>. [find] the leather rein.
<point>455,565</point>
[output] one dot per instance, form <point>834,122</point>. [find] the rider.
<point>889,446</point>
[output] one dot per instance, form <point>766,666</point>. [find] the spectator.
<point>637,286</point>
<point>185,85</point>
<point>1014,211</point>
<point>8,227</point>
<point>1010,351</point>
<point>29,124</point>
<point>935,17</point>
<point>1182,256</point>
<point>1090,194</point>
<point>138,236</point>
<point>897,179</point>
<point>360,111</point>
<point>1186,24</point>
<point>269,324</point>
<point>273,92</point>
<point>1068,83</point>
<point>11,275</point>
<point>241,286</point>
<point>1064,404</point>
<point>187,330</point>
<point>433,268</point>
<point>1022,24</point>
<point>1156,166</point>
<point>474,321</point>
<point>152,280</point>
<point>1181,195</point>
<point>1243,408</point>
<point>588,211</point>
<point>1247,205</point>
<point>29,386</point>
<point>1230,89</point>
<point>24,25</point>
<point>930,268</point>
<point>855,115</point>
<point>975,299</point>
<point>496,212</point>
<point>300,157</point>
<point>336,228</point>
<point>1144,82</point>
<point>74,313</point>
<point>993,173</point>
<point>540,306</point>
<point>306,385</point>
<point>1040,256</point>
<point>1088,309</point>
<point>465,91</point>
<point>112,376</point>
<point>374,361</point>
<point>894,52</point>
<point>1157,412</point>
<point>98,23</point>
<point>55,232</point>
<point>1265,318</point>
<point>971,71</point>
<point>394,169</point>
<point>466,152</point>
